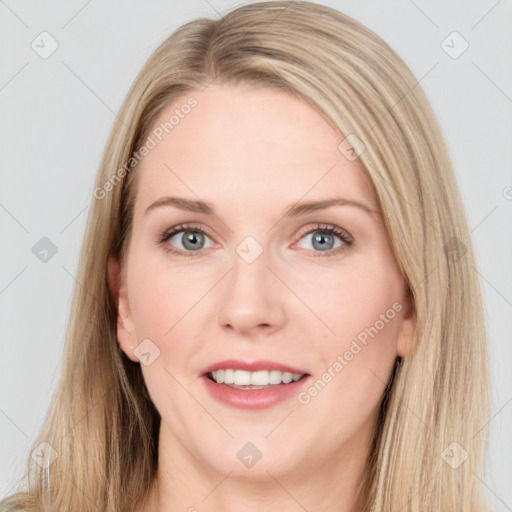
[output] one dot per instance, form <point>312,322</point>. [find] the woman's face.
<point>263,281</point>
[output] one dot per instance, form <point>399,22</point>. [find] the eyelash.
<point>321,228</point>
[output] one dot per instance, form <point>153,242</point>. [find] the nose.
<point>251,302</point>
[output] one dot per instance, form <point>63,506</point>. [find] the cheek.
<point>356,299</point>
<point>163,300</point>
<point>355,363</point>
<point>363,309</point>
<point>366,305</point>
<point>162,295</point>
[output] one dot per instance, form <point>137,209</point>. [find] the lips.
<point>251,396</point>
<point>252,366</point>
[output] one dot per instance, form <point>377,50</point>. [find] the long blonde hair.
<point>102,426</point>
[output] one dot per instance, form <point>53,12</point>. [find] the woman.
<point>277,307</point>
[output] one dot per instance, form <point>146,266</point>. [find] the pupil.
<point>190,240</point>
<point>320,238</point>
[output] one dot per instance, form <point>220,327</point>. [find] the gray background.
<point>56,113</point>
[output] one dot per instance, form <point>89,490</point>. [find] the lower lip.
<point>253,398</point>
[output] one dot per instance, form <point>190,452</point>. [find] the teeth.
<point>259,378</point>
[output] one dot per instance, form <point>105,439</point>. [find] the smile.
<point>253,380</point>
<point>255,385</point>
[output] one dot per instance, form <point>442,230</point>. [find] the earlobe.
<point>407,333</point>
<point>124,328</point>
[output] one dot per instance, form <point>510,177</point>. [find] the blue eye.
<point>324,237</point>
<point>192,238</point>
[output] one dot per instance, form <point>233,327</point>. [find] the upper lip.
<point>251,366</point>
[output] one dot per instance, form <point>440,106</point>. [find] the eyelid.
<point>333,228</point>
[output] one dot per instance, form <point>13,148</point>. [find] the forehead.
<point>242,142</point>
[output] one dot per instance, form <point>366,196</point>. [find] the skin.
<point>252,152</point>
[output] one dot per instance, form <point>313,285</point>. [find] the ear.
<point>125,327</point>
<point>406,336</point>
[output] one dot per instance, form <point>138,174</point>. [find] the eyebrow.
<point>294,210</point>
